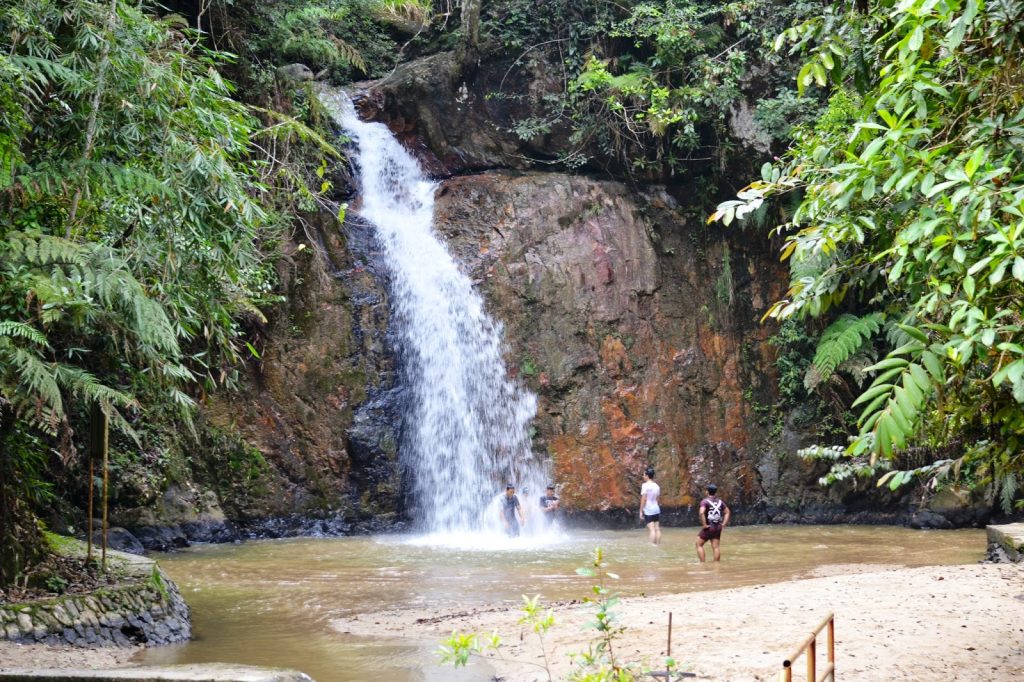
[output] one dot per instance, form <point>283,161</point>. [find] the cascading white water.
<point>467,429</point>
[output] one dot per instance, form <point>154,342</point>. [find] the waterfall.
<point>466,431</point>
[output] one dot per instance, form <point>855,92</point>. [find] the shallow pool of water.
<point>271,602</point>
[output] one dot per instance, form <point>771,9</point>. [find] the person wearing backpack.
<point>714,516</point>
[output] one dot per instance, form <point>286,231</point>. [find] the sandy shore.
<point>892,623</point>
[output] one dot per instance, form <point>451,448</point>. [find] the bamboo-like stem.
<point>103,441</point>
<point>90,126</point>
<point>88,534</point>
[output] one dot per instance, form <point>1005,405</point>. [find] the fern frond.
<point>350,54</point>
<point>36,384</point>
<point>857,365</point>
<point>287,127</point>
<point>24,331</point>
<point>840,342</point>
<point>87,388</point>
<point>47,250</point>
<point>1008,487</point>
<point>39,72</point>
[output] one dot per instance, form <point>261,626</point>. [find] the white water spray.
<point>466,432</point>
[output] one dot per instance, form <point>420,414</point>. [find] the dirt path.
<point>892,623</point>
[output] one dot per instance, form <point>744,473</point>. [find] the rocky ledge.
<point>144,608</point>
<point>1006,542</point>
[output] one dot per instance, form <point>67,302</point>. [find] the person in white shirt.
<point>650,512</point>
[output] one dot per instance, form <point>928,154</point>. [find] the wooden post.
<point>92,474</point>
<point>669,650</point>
<point>812,650</point>
<point>99,437</point>
<point>832,644</point>
<point>97,450</point>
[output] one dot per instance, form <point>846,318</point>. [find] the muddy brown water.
<point>271,602</point>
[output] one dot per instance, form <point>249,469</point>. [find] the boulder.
<point>120,539</point>
<point>294,73</point>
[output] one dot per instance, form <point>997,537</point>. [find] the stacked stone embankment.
<point>145,608</point>
<point>1006,542</point>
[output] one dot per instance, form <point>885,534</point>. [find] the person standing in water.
<point>511,512</point>
<point>650,512</point>
<point>714,516</point>
<point>549,505</point>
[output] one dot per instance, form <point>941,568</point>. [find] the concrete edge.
<point>205,672</point>
<point>1008,537</point>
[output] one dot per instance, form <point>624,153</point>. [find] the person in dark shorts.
<point>511,512</point>
<point>650,511</point>
<point>714,516</point>
<point>549,505</point>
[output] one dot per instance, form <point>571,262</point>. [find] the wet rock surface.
<point>458,118</point>
<point>637,328</point>
<point>322,413</point>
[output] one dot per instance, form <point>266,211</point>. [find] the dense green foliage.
<point>649,86</point>
<point>912,205</point>
<point>348,39</point>
<point>135,243</point>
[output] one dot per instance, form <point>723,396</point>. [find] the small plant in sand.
<point>598,663</point>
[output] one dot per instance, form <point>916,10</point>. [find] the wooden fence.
<point>810,646</point>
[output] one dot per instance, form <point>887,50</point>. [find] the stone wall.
<point>147,611</point>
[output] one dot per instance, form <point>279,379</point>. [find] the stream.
<point>271,602</point>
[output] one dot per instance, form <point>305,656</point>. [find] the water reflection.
<point>271,602</point>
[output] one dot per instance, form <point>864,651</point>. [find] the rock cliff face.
<point>323,408</point>
<point>635,325</point>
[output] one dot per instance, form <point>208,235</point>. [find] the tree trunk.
<point>21,543</point>
<point>471,28</point>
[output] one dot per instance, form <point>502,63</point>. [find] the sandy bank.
<point>892,623</point>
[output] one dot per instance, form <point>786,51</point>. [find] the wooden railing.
<point>810,645</point>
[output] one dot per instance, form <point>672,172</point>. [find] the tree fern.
<point>840,342</point>
<point>76,291</point>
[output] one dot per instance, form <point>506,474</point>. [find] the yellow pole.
<point>103,441</point>
<point>811,658</point>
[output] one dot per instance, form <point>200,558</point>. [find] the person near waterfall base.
<point>511,512</point>
<point>549,505</point>
<point>714,517</point>
<point>650,511</point>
